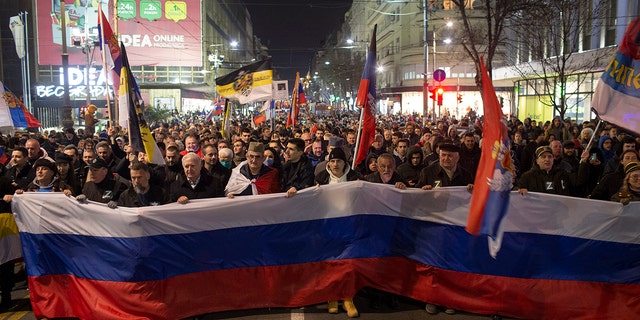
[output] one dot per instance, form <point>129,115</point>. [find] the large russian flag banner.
<point>562,258</point>
<point>617,95</point>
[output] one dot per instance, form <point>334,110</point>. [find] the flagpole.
<point>357,146</point>
<point>116,104</point>
<point>104,65</point>
<point>588,146</point>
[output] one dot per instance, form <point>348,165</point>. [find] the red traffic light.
<point>439,94</point>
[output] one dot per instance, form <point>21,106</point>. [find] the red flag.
<point>494,178</point>
<point>297,99</point>
<point>367,101</point>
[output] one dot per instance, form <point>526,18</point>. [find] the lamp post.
<point>67,121</point>
<point>216,61</point>
<point>425,84</point>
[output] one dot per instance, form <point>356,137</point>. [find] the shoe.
<point>431,308</point>
<point>449,311</point>
<point>333,306</point>
<point>352,312</point>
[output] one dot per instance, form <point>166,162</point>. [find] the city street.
<point>408,310</point>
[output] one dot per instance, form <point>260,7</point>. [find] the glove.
<point>81,198</point>
<point>112,204</point>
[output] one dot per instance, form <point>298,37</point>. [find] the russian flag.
<point>562,258</point>
<point>617,95</point>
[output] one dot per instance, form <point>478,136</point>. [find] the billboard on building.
<point>155,32</point>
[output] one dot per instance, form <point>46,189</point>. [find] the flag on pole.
<point>247,84</point>
<point>226,119</point>
<point>107,37</point>
<point>366,100</point>
<point>130,99</point>
<point>494,179</point>
<point>17,28</point>
<point>297,100</point>
<point>13,113</point>
<point>617,96</point>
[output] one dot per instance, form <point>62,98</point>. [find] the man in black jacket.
<point>297,172</point>
<point>193,185</point>
<point>103,186</point>
<point>446,172</point>
<point>141,193</point>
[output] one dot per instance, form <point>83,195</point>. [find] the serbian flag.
<point>494,179</point>
<point>106,37</point>
<point>13,113</point>
<point>130,99</point>
<point>617,96</point>
<point>297,100</point>
<point>366,100</point>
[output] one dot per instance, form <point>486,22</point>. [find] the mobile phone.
<point>594,156</point>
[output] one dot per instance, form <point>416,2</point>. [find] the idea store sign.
<point>155,32</point>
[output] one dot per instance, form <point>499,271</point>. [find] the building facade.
<point>175,52</point>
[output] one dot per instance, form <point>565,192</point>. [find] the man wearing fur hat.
<point>252,176</point>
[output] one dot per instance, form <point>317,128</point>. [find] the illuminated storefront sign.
<point>79,79</point>
<point>155,32</point>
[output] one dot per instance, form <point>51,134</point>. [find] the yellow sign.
<point>175,10</point>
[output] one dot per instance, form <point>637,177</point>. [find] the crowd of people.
<point>408,152</point>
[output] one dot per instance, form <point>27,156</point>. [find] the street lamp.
<point>216,60</point>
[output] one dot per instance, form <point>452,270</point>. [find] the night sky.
<point>294,30</point>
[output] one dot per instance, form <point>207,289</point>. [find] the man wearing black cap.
<point>337,169</point>
<point>569,156</point>
<point>543,177</point>
<point>103,186</point>
<point>47,179</point>
<point>446,172</point>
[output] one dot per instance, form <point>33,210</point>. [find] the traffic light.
<point>432,94</point>
<point>459,98</point>
<point>439,94</point>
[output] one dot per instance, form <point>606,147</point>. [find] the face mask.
<point>226,164</point>
<point>268,161</point>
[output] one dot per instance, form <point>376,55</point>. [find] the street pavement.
<point>408,309</point>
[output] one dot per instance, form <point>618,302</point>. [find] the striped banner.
<point>562,258</point>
